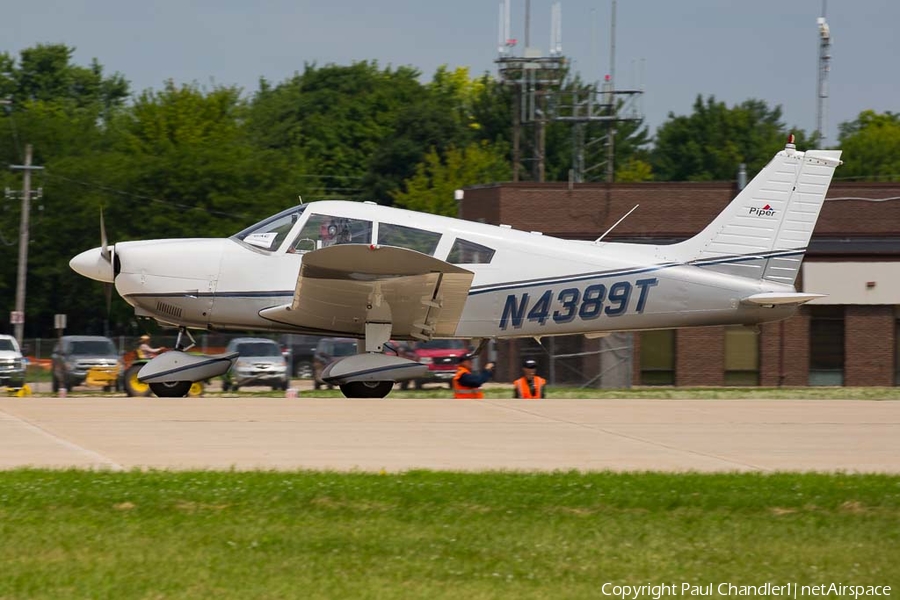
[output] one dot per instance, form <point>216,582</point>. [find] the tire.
<point>55,384</point>
<point>418,383</point>
<point>225,386</point>
<point>303,369</point>
<point>171,389</point>
<point>367,389</point>
<point>404,385</point>
<point>133,387</point>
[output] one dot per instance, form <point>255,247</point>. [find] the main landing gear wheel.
<point>367,389</point>
<point>171,389</point>
<point>133,387</point>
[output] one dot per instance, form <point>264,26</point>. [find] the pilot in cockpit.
<point>335,231</point>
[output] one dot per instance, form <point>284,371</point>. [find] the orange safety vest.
<point>462,392</point>
<point>521,385</point>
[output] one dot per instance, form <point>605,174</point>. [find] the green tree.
<point>45,73</point>
<point>710,143</point>
<point>339,116</point>
<point>64,111</point>
<point>871,145</point>
<point>634,170</point>
<point>432,187</point>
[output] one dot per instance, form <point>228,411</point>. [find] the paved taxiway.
<point>400,434</point>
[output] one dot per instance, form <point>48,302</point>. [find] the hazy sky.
<point>733,49</point>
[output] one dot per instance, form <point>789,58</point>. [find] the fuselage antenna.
<point>597,241</point>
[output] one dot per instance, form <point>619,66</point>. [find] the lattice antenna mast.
<point>534,78</point>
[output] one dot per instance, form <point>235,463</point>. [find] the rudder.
<point>764,232</point>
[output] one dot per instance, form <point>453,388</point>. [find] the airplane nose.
<point>91,264</point>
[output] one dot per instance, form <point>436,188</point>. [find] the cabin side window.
<point>465,252</point>
<point>321,231</point>
<point>411,238</point>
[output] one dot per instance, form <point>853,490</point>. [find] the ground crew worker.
<point>145,351</point>
<point>529,386</point>
<point>466,384</point>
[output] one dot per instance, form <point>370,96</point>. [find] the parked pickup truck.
<point>440,356</point>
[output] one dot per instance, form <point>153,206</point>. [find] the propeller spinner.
<point>96,263</point>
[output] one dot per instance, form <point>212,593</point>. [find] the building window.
<point>826,345</point>
<point>741,356</point>
<point>658,357</point>
<point>897,351</point>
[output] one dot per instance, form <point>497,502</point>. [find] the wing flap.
<point>337,284</point>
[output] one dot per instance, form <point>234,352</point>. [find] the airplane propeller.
<point>104,248</point>
<point>106,255</point>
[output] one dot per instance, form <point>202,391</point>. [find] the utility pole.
<point>19,315</point>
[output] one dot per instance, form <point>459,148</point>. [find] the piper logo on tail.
<point>765,211</point>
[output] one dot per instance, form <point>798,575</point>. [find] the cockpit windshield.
<point>269,233</point>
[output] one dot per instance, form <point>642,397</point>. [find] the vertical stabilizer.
<point>763,233</point>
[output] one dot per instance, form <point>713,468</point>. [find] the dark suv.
<point>329,350</point>
<point>75,355</point>
<point>300,350</point>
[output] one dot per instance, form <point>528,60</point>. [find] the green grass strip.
<point>422,534</point>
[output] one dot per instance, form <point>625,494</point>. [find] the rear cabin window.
<point>408,237</point>
<point>321,231</point>
<point>469,253</point>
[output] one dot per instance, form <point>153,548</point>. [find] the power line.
<point>143,197</point>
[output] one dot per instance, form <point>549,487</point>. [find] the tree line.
<point>191,161</point>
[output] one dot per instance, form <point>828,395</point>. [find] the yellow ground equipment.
<point>19,392</point>
<point>105,377</point>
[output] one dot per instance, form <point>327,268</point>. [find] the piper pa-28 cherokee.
<point>378,273</point>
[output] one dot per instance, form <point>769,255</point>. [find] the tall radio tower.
<point>824,68</point>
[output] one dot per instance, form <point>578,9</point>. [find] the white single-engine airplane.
<point>378,273</point>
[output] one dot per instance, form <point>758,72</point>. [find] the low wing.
<point>338,285</point>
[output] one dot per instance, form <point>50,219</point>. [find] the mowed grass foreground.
<point>79,534</point>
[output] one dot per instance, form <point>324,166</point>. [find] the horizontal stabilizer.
<point>782,298</point>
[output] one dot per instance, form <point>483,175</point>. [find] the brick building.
<point>849,338</point>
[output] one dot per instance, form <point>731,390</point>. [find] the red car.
<point>440,356</point>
